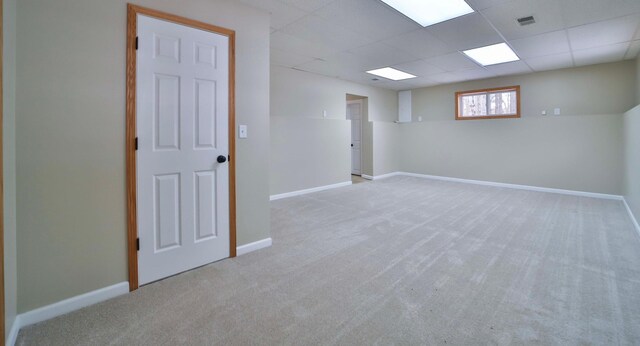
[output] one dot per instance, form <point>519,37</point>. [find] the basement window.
<point>488,103</point>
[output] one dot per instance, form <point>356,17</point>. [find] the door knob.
<point>352,145</point>
<point>222,159</point>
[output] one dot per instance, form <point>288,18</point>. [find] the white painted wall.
<point>578,150</point>
<point>387,149</point>
<point>70,130</point>
<point>299,95</point>
<point>568,152</point>
<point>307,153</point>
<point>638,80</point>
<point>9,164</point>
<point>596,89</point>
<point>632,160</point>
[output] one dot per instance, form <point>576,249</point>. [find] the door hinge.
<point>229,158</point>
<point>136,143</point>
<point>138,244</point>
<point>136,42</point>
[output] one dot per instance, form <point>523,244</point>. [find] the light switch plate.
<point>556,111</point>
<point>242,131</point>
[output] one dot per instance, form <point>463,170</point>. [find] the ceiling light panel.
<point>391,73</point>
<point>491,55</point>
<point>429,12</point>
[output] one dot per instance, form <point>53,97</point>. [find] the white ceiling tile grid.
<point>345,38</point>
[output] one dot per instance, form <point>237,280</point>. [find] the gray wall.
<point>70,138</point>
<point>578,150</point>
<point>387,149</point>
<point>568,152</point>
<point>632,160</point>
<point>301,94</point>
<point>314,150</point>
<point>638,80</point>
<point>596,89</point>
<point>9,164</point>
<point>298,94</point>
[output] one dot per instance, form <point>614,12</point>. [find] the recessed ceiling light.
<point>491,55</point>
<point>391,73</point>
<point>429,12</point>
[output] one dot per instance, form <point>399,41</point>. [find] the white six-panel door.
<point>182,128</point>
<point>354,113</point>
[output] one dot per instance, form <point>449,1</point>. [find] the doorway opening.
<point>356,111</point>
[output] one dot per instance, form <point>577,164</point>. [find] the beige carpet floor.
<point>400,261</point>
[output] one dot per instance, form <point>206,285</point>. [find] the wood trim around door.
<point>132,212</point>
<point>2,312</point>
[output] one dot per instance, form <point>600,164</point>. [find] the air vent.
<point>526,20</point>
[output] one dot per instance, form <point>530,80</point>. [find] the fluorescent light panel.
<point>429,12</point>
<point>491,55</point>
<point>391,73</point>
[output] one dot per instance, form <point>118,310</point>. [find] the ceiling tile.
<point>287,59</point>
<point>317,30</point>
<point>634,50</point>
<point>414,83</point>
<point>420,43</point>
<point>281,13</point>
<point>516,67</point>
<point>600,55</point>
<point>546,13</point>
<point>330,69</point>
<point>452,62</point>
<point>550,62</point>
<point>445,78</point>
<point>579,12</point>
<point>307,5</point>
<point>555,42</point>
<point>476,73</point>
<point>381,55</point>
<point>466,32</point>
<point>604,33</point>
<point>484,4</point>
<point>365,17</point>
<point>419,68</point>
<point>291,44</point>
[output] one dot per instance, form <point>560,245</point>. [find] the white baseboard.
<point>368,177</point>
<point>65,306</point>
<point>505,185</point>
<point>633,217</point>
<point>388,175</point>
<point>256,245</point>
<point>306,191</point>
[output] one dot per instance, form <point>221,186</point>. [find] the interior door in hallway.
<point>182,134</point>
<point>354,113</point>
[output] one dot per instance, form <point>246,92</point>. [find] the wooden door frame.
<point>132,212</point>
<point>2,311</point>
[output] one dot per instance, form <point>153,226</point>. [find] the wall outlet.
<point>242,131</point>
<point>420,118</point>
<point>543,112</point>
<point>324,114</point>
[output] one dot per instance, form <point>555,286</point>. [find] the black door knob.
<point>352,145</point>
<point>222,159</point>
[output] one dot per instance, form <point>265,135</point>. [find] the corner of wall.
<point>9,164</point>
<point>638,80</point>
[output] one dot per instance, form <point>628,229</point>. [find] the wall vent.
<point>526,20</point>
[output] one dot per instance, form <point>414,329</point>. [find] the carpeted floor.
<point>397,261</point>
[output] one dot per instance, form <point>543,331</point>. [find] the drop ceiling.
<point>345,38</point>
